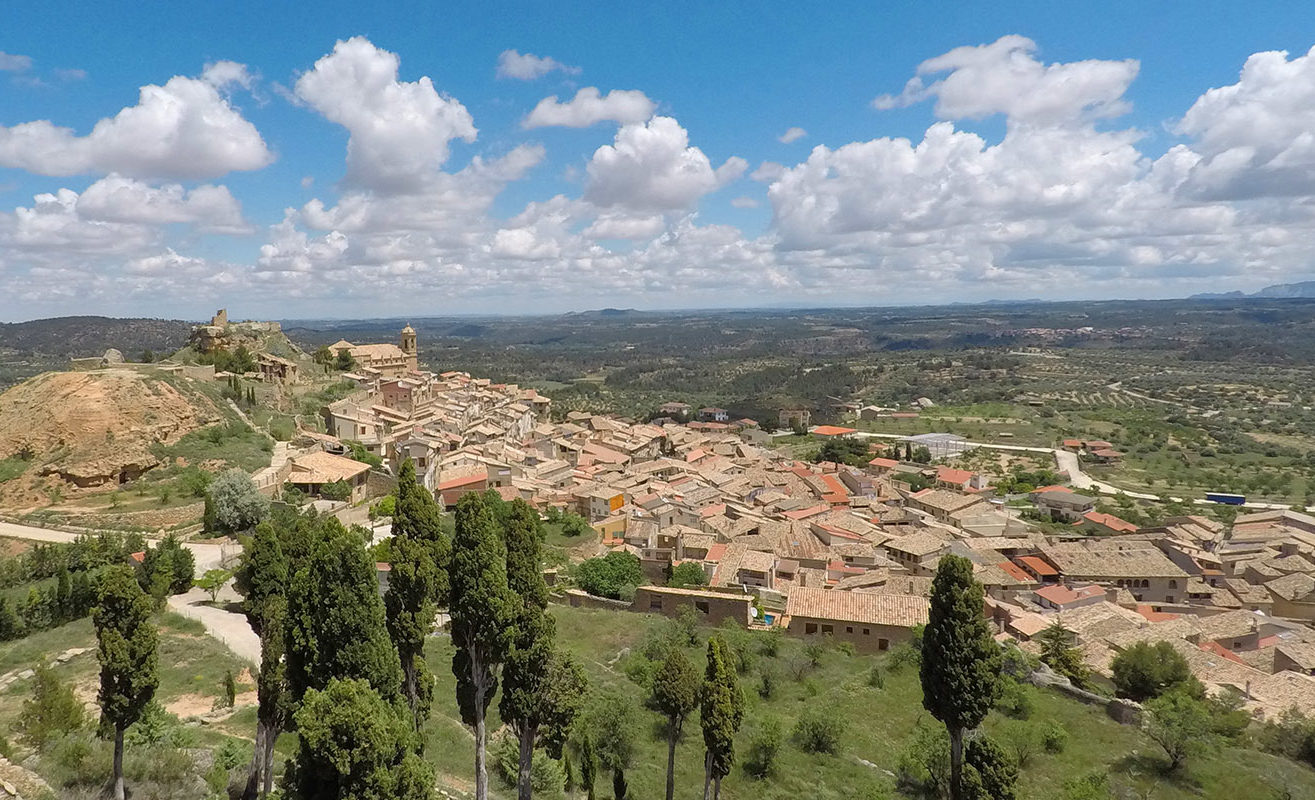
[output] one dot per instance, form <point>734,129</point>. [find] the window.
<point>655,603</point>
<point>883,644</point>
<point>849,629</point>
<point>827,629</point>
<point>810,627</point>
<point>1173,584</point>
<point>866,631</point>
<point>701,605</point>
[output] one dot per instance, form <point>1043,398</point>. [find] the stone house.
<point>870,622</point>
<point>714,607</point>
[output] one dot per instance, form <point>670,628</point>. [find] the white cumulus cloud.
<point>400,130</point>
<point>183,130</point>
<point>527,66</point>
<point>652,167</point>
<point>119,199</point>
<point>588,107</point>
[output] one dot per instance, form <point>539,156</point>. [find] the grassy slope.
<point>879,722</point>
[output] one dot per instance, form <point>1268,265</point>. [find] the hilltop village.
<point>826,549</point>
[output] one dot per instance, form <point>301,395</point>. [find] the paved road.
<point>230,628</point>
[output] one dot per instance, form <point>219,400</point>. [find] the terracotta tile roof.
<point>955,476</point>
<point>321,467</point>
<point>897,610</point>
<point>832,430</point>
<point>1038,565</point>
<point>1109,521</point>
<point>888,463</point>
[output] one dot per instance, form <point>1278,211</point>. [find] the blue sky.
<point>1058,151</point>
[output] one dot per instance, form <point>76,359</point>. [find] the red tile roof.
<point>1038,566</point>
<point>888,463</point>
<point>1109,521</point>
<point>952,475</point>
<point>1155,616</point>
<point>1016,571</point>
<point>832,430</point>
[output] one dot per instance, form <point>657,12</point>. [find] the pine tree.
<point>675,695</point>
<point>128,657</point>
<point>482,608</point>
<point>961,662</point>
<point>721,710</point>
<point>1058,652</point>
<point>417,581</point>
<point>541,688</point>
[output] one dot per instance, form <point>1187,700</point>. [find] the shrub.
<point>1054,737</point>
<point>995,769</point>
<point>688,573</point>
<point>767,683</point>
<point>1092,786</point>
<point>876,679</point>
<point>764,745</point>
<point>814,651</point>
<point>818,731</point>
<point>1016,699</point>
<point>924,765</point>
<point>610,575</point>
<point>51,712</point>
<point>546,776</point>
<point>336,490</point>
<point>1145,671</point>
<point>1022,740</point>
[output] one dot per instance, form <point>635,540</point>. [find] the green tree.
<point>764,746</point>
<point>212,581</point>
<point>1145,671</point>
<point>1182,725</point>
<point>237,506</point>
<point>541,687</point>
<point>417,583</point>
<point>230,689</point>
<point>336,626</point>
<point>688,573</point>
<point>167,568</point>
<point>482,609</point>
<point>129,661</point>
<point>344,361</point>
<point>11,625</point>
<point>961,662</point>
<point>996,770</point>
<point>1058,652</point>
<point>588,765</point>
<point>51,711</point>
<point>612,721</point>
<point>611,575</point>
<point>674,695</point>
<point>818,730</point>
<point>721,710</point>
<point>323,355</point>
<point>354,744</point>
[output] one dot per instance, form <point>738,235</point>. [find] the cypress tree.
<point>417,581</point>
<point>588,766</point>
<point>960,660</point>
<point>64,597</point>
<point>11,627</point>
<point>127,651</point>
<point>354,745</point>
<point>675,695</point>
<point>335,626</point>
<point>721,709</point>
<point>541,688</point>
<point>482,608</point>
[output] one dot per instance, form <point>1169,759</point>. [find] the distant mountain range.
<point>1277,291</point>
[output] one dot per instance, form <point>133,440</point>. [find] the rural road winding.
<point>1067,461</point>
<point>226,626</point>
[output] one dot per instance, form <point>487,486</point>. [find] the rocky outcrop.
<point>96,428</point>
